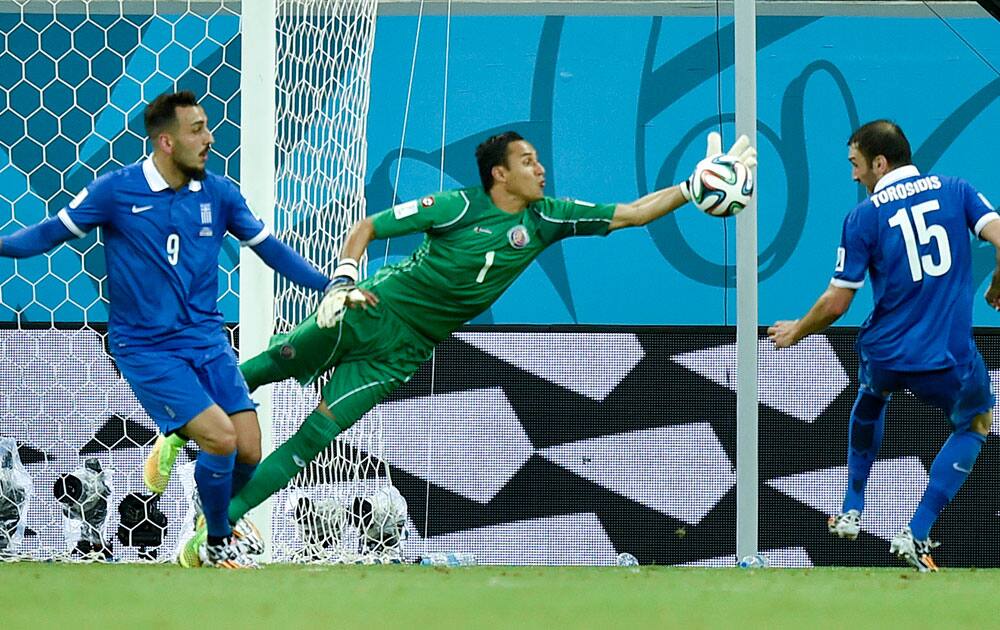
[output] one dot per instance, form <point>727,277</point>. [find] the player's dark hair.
<point>162,112</point>
<point>493,152</point>
<point>882,137</point>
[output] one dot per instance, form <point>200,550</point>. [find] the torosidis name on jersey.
<point>904,190</point>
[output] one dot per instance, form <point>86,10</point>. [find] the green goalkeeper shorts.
<point>371,353</point>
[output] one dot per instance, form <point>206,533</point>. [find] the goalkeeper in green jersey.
<point>377,332</point>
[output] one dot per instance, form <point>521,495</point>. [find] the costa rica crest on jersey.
<point>518,236</point>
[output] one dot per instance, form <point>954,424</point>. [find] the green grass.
<point>34,595</point>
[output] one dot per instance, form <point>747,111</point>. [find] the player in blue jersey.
<point>163,221</point>
<point>911,236</point>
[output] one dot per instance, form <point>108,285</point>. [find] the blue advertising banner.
<point>616,106</point>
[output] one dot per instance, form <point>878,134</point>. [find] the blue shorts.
<point>961,391</point>
<point>174,386</point>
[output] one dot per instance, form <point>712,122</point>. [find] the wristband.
<point>347,268</point>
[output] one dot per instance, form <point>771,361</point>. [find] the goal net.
<point>322,87</point>
<point>75,77</point>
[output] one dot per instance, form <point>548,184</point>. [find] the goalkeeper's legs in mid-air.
<point>373,353</point>
<point>355,387</point>
<point>304,353</point>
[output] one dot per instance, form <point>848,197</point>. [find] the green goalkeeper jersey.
<point>471,253</point>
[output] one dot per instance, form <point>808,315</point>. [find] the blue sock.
<point>213,475</point>
<point>241,475</point>
<point>948,472</point>
<point>864,440</point>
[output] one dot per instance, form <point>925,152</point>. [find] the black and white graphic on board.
<point>562,447</point>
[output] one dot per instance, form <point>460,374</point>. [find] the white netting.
<point>323,68</point>
<point>74,79</point>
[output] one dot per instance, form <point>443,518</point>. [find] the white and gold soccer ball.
<point>721,186</point>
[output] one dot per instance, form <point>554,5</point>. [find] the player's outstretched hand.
<point>741,150</point>
<point>782,333</point>
<point>993,296</point>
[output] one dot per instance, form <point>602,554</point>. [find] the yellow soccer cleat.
<point>188,554</point>
<point>159,464</point>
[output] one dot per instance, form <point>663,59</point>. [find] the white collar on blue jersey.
<point>893,176</point>
<point>156,181</point>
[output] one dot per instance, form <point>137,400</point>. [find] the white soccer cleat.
<point>846,525</point>
<point>246,534</point>
<point>228,555</point>
<point>916,553</point>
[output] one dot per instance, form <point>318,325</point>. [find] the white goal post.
<point>257,168</point>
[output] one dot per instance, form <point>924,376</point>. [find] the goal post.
<point>321,93</point>
<point>257,171</point>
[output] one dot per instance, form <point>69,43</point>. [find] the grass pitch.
<point>40,595</point>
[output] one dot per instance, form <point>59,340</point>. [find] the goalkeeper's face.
<point>191,140</point>
<point>522,174</point>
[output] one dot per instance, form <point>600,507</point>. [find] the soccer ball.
<point>721,186</point>
<point>384,524</point>
<point>319,524</point>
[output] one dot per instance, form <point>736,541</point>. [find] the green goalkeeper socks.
<point>278,468</point>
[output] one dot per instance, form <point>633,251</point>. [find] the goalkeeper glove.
<point>741,150</point>
<point>341,293</point>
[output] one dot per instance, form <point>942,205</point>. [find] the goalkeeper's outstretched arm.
<point>648,208</point>
<point>346,274</point>
<point>358,238</point>
<point>664,201</point>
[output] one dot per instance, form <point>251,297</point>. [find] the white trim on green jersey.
<point>355,391</point>
<point>573,221</point>
<point>460,215</point>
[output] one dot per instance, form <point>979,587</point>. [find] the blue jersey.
<point>162,248</point>
<point>912,238</point>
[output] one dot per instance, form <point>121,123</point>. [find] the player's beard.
<point>191,172</point>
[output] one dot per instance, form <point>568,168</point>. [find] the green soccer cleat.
<point>159,464</point>
<point>189,552</point>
